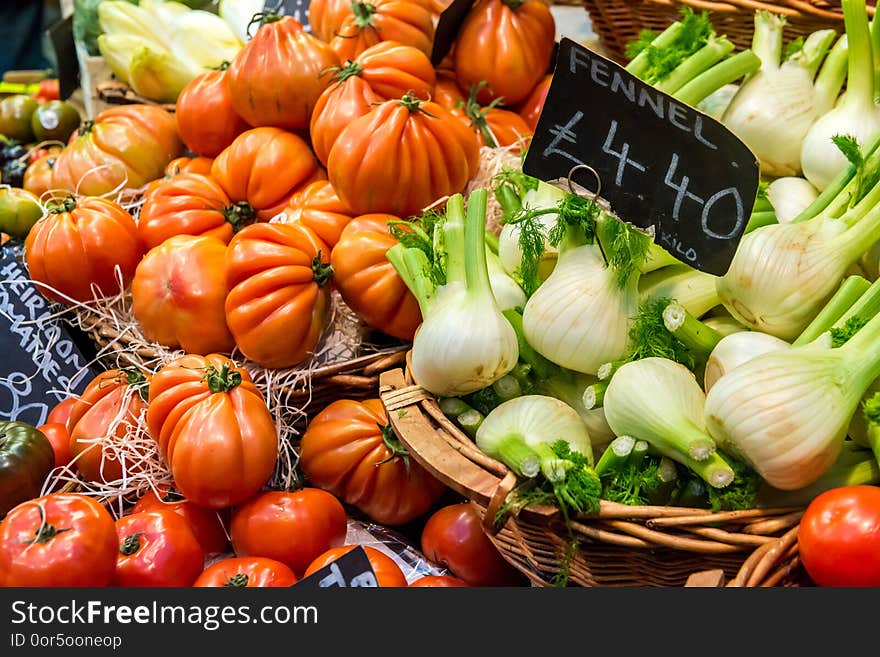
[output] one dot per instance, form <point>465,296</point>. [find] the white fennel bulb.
<point>735,349</point>
<point>508,293</point>
<point>790,196</point>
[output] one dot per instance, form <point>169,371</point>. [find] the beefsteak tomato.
<point>38,175</point>
<point>426,151</point>
<point>279,297</point>
<point>60,539</point>
<point>346,99</point>
<point>325,17</point>
<point>276,78</point>
<point>317,206</point>
<point>213,428</point>
<point>530,109</point>
<point>388,573</point>
<point>207,525</point>
<point>206,118</point>
<point>83,248</point>
<point>57,435</point>
<point>178,292</point>
<point>26,459</point>
<point>364,24</point>
<point>60,412</point>
<point>156,549</point>
<point>368,282</point>
<point>350,450</point>
<point>241,572</point>
<point>185,164</point>
<point>495,127</point>
<point>291,527</point>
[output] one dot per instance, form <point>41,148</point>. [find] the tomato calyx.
<point>262,18</point>
<point>222,380</point>
<point>413,104</point>
<point>513,4</point>
<point>239,215</point>
<point>392,442</point>
<point>342,73</point>
<point>171,496</point>
<point>131,544</point>
<point>478,114</point>
<point>222,67</point>
<point>323,271</point>
<point>45,532</point>
<point>238,581</point>
<point>61,205</point>
<point>85,128</point>
<point>134,379</point>
<point>363,18</point>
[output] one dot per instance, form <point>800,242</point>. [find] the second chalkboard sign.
<point>298,9</point>
<point>662,163</point>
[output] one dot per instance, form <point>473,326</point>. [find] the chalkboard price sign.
<point>298,9</point>
<point>352,569</point>
<point>661,163</point>
<point>450,22</point>
<point>40,358</point>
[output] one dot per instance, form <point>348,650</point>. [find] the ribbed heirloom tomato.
<point>178,293</point>
<point>364,24</point>
<point>207,525</point>
<point>426,151</point>
<point>279,296</point>
<point>388,573</point>
<point>107,439</point>
<point>276,78</point>
<point>317,206</point>
<point>38,175</point>
<point>196,164</point>
<point>531,108</point>
<point>156,548</point>
<point>213,429</point>
<point>206,119</point>
<point>494,127</point>
<point>350,449</point>
<point>368,282</point>
<point>507,43</point>
<point>242,572</point>
<point>325,17</point>
<point>290,527</point>
<point>83,248</point>
<point>60,539</point>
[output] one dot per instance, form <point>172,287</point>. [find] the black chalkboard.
<point>352,569</point>
<point>298,9</point>
<point>66,62</point>
<point>661,163</point>
<point>40,357</point>
<point>448,25</point>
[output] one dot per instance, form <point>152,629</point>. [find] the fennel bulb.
<point>464,343</point>
<point>775,107</point>
<point>660,401</point>
<point>735,349</point>
<point>508,294</point>
<point>158,75</point>
<point>203,40</point>
<point>855,114</point>
<point>790,196</point>
<point>786,412</point>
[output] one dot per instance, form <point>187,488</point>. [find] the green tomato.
<point>15,117</point>
<point>26,459</point>
<point>55,120</point>
<point>19,211</point>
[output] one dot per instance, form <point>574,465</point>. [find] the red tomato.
<point>206,524</point>
<point>60,539</point>
<point>839,537</point>
<point>453,537</point>
<point>388,573</point>
<point>57,434</point>
<point>156,548</point>
<point>292,528</point>
<point>48,89</point>
<point>61,411</point>
<point>438,581</point>
<point>240,572</point>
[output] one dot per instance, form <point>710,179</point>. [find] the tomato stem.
<point>222,380</point>
<point>61,205</point>
<point>85,128</point>
<point>131,544</point>
<point>348,70</point>
<point>262,18</point>
<point>239,215</point>
<point>323,270</point>
<point>363,15</point>
<point>413,104</point>
<point>45,532</point>
<point>478,114</point>
<point>222,67</point>
<point>392,442</point>
<point>237,581</point>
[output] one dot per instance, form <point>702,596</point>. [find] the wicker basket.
<point>620,546</point>
<point>617,22</point>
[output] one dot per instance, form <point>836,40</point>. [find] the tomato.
<point>317,206</point>
<point>156,549</point>
<point>291,527</point>
<point>276,78</point>
<point>38,175</point>
<point>388,573</point>
<point>264,167</point>
<point>240,572</point>
<point>189,204</point>
<point>495,127</point>
<point>55,120</point>
<point>279,297</point>
<point>35,153</point>
<point>444,581</point>
<point>364,24</point>
<point>207,525</point>
<point>60,412</point>
<point>839,537</point>
<point>103,423</point>
<point>213,429</point>
<point>81,248</point>
<point>125,146</point>
<point>206,119</point>
<point>57,435</point>
<point>507,43</point>
<point>48,89</point>
<point>453,537</point>
<point>531,108</point>
<point>178,292</point>
<point>197,164</point>
<point>346,99</point>
<point>447,93</point>
<point>350,449</point>
<point>15,117</point>
<point>60,539</point>
<point>19,211</point>
<point>426,151</point>
<point>26,459</point>
<point>325,17</point>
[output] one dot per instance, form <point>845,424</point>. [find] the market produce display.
<point>280,186</point>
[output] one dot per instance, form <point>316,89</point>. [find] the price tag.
<point>448,25</point>
<point>61,36</point>
<point>352,569</point>
<point>41,357</point>
<point>661,163</point>
<point>298,9</point>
